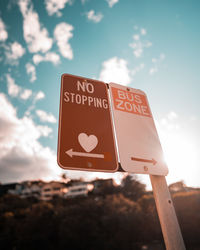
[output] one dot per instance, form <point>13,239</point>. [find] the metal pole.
<point>167,215</point>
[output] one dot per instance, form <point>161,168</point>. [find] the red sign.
<point>130,102</point>
<point>85,139</point>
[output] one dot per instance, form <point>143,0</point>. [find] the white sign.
<point>138,143</point>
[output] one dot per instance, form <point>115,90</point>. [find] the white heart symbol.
<point>88,143</point>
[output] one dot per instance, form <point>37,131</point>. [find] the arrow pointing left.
<point>72,153</point>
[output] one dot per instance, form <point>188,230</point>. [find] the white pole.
<point>167,215</point>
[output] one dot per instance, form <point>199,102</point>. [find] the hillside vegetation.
<point>118,218</point>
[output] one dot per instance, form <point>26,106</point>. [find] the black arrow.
<point>153,161</point>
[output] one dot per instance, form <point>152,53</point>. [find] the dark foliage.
<point>116,219</point>
<point>132,188</point>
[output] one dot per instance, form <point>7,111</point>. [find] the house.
<point>31,189</point>
<point>46,191</point>
<point>24,189</point>
<point>11,188</point>
<point>52,189</point>
<point>78,189</point>
<point>178,187</point>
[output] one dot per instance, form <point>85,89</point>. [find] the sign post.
<point>167,215</point>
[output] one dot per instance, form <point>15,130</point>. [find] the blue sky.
<point>152,45</point>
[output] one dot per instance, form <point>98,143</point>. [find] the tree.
<point>150,221</point>
<point>132,188</point>
<point>64,178</point>
<point>187,206</point>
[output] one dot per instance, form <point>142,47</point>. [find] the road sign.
<point>85,138</point>
<point>138,143</point>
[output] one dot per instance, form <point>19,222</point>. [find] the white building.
<point>27,189</point>
<point>52,189</point>
<point>46,191</point>
<point>78,189</point>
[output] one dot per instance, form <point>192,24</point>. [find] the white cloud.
<point>136,37</point>
<point>143,31</point>
<point>115,70</point>
<point>112,2</point>
<point>138,44</point>
<point>96,18</point>
<point>83,1</point>
<point>138,47</point>
<point>153,70</point>
<point>62,34</point>
<point>13,88</point>
<point>36,97</point>
<point>38,59</point>
<point>170,122</point>
<point>48,57</point>
<point>13,52</point>
<point>172,115</point>
<point>45,117</point>
<point>35,35</point>
<point>17,51</point>
<point>137,69</point>
<point>3,32</point>
<point>53,6</point>
<point>22,156</point>
<point>27,93</point>
<point>44,130</point>
<point>40,95</point>
<point>162,56</point>
<point>30,69</point>
<point>156,62</point>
